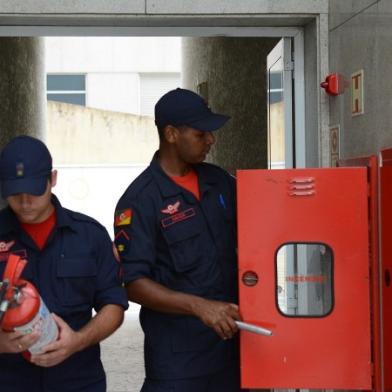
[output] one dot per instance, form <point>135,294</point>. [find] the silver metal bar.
<point>253,328</point>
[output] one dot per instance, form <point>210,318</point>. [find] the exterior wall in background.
<point>85,136</point>
<point>360,39</point>
<point>117,68</point>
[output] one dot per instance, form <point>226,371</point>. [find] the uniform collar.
<point>9,223</point>
<point>62,218</point>
<point>169,188</point>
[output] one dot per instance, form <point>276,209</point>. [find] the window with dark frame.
<point>304,279</point>
<point>68,88</point>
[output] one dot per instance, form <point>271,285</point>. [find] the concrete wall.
<point>160,7</point>
<point>22,87</point>
<point>232,73</point>
<point>79,135</point>
<point>113,54</point>
<point>360,38</point>
<point>97,154</point>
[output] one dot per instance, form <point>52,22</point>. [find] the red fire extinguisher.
<point>22,308</point>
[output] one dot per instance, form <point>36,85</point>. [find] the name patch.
<point>180,216</point>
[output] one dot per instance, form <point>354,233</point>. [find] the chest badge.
<point>172,208</point>
<point>6,246</point>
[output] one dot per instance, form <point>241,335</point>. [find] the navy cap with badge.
<point>184,107</point>
<point>25,166</point>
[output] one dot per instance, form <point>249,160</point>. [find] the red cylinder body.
<point>29,313</point>
<point>25,310</point>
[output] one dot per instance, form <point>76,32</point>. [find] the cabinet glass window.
<point>304,286</point>
<point>67,88</point>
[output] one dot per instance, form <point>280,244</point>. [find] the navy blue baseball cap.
<point>25,166</point>
<point>184,107</point>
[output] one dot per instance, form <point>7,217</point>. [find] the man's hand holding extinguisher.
<point>16,342</point>
<point>67,343</point>
<point>70,341</point>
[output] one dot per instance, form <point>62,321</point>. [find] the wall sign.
<point>334,144</point>
<point>357,93</point>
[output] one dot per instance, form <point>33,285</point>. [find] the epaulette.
<point>78,216</point>
<point>138,185</point>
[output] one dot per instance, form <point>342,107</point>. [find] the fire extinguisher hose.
<point>13,270</point>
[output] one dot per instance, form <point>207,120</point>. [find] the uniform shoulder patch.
<point>123,217</point>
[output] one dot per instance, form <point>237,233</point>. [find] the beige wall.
<point>80,135</point>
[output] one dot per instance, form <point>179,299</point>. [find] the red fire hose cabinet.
<point>312,272</point>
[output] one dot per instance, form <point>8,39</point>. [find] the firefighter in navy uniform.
<point>70,262</point>
<point>175,230</point>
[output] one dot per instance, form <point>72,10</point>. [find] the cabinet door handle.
<point>253,328</point>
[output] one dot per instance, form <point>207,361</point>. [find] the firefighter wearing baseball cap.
<point>175,230</point>
<point>70,262</point>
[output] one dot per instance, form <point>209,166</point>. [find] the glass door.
<point>280,68</point>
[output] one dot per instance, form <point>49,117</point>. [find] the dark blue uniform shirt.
<point>74,273</point>
<point>165,234</point>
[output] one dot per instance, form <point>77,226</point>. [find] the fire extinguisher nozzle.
<point>3,308</point>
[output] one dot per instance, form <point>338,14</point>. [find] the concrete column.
<point>22,88</point>
<point>231,74</point>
